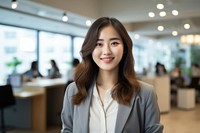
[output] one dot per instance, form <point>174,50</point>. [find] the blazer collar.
<point>122,115</point>
<point>83,108</point>
<point>121,119</point>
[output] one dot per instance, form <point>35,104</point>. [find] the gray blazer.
<point>142,116</point>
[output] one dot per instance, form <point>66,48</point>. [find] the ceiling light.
<point>41,13</point>
<point>174,33</point>
<point>14,4</point>
<point>175,12</point>
<point>190,39</point>
<point>187,26</point>
<point>160,6</point>
<point>64,18</point>
<point>160,28</point>
<point>136,36</point>
<point>151,14</point>
<point>162,14</point>
<point>88,23</point>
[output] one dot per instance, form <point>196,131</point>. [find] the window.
<point>78,42</point>
<point>57,47</point>
<point>16,44</point>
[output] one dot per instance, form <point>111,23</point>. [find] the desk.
<point>37,91</point>
<point>162,88</point>
<point>186,98</point>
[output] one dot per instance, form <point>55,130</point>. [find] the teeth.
<point>107,58</point>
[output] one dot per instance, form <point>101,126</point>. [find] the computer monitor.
<point>15,80</point>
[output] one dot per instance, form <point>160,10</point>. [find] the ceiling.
<point>133,13</point>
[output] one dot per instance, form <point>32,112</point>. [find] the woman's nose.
<point>106,50</point>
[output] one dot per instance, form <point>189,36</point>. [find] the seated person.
<point>195,70</point>
<point>160,69</point>
<point>54,71</point>
<point>70,72</point>
<point>33,72</point>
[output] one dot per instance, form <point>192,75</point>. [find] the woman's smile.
<point>107,59</point>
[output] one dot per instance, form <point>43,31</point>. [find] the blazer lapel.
<point>122,116</point>
<point>84,108</point>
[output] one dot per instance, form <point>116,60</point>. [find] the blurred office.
<point>39,30</point>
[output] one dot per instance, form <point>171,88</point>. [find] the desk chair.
<point>175,83</point>
<point>194,83</point>
<point>6,99</point>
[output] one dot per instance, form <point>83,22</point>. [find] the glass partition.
<point>18,49</point>
<point>57,47</point>
<point>78,42</point>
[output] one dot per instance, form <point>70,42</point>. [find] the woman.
<point>70,72</point>
<point>54,72</point>
<point>33,72</point>
<point>106,96</point>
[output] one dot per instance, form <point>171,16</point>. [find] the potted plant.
<point>14,63</point>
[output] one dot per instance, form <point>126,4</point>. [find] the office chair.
<point>195,84</point>
<point>6,99</point>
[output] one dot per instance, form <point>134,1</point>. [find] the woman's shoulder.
<point>71,89</point>
<point>145,86</point>
<point>146,89</point>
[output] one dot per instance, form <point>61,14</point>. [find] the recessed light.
<point>88,22</point>
<point>14,4</point>
<point>162,14</point>
<point>136,36</point>
<point>160,28</point>
<point>41,13</point>
<point>187,26</point>
<point>175,12</point>
<point>174,33</point>
<point>160,6</point>
<point>64,18</point>
<point>151,14</point>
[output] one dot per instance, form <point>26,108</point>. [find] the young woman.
<point>54,71</point>
<point>33,72</point>
<point>106,96</point>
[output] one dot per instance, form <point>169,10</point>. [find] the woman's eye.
<point>98,44</point>
<point>114,43</point>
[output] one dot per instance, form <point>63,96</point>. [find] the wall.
<point>87,8</point>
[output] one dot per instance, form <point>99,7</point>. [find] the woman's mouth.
<point>107,59</point>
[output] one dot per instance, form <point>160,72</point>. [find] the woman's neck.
<point>107,79</point>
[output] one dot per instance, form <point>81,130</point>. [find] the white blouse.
<point>102,118</point>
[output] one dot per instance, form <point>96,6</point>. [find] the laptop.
<point>15,80</point>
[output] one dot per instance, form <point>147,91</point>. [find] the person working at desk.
<point>106,96</point>
<point>54,71</point>
<point>70,72</point>
<point>33,72</point>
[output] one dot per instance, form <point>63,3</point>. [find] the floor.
<point>175,121</point>
<point>182,121</point>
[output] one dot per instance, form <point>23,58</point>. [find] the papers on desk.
<point>27,94</point>
<point>46,82</point>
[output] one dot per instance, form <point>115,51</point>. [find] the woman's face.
<point>109,49</point>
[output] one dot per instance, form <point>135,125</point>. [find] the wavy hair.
<point>87,70</point>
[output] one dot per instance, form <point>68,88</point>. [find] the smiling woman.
<point>106,96</point>
<point>109,49</point>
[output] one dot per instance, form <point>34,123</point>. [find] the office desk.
<point>40,93</point>
<point>162,89</point>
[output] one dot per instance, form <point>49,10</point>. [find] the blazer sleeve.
<point>67,110</point>
<point>152,114</point>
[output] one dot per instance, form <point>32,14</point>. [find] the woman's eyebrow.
<point>115,38</point>
<point>100,39</point>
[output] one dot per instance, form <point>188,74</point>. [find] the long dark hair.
<point>87,70</point>
<point>54,65</point>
